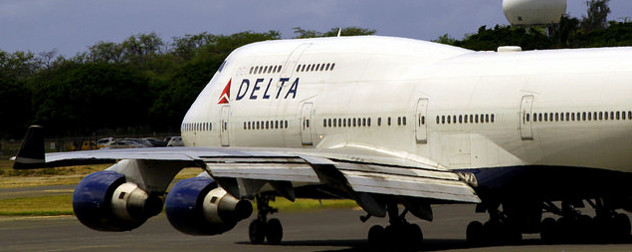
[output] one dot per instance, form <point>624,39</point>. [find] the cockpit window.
<point>221,66</point>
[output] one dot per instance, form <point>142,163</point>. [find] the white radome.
<point>534,12</point>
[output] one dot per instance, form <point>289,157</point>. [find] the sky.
<point>71,26</point>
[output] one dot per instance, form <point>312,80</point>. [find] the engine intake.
<point>197,206</point>
<point>105,201</point>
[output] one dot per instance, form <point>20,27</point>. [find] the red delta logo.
<point>260,91</point>
<point>225,97</point>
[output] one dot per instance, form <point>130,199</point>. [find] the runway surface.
<point>318,230</point>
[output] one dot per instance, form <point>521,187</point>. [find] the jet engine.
<point>197,206</point>
<point>105,201</point>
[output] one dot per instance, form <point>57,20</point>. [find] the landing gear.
<point>399,234</point>
<point>574,227</point>
<point>261,228</point>
<point>498,230</point>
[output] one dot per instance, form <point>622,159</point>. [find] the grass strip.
<point>37,206</point>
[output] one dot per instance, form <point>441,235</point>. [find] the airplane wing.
<point>361,168</point>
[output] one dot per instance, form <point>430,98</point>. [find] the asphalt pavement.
<point>316,230</point>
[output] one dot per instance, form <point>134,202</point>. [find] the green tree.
<point>491,39</point>
<point>446,40</point>
<point>333,32</point>
<point>81,98</point>
<point>15,101</point>
<point>597,18</point>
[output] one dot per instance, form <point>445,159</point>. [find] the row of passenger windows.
<point>315,67</point>
<point>276,124</point>
<point>464,119</point>
<point>579,116</point>
<point>200,126</point>
<point>360,122</point>
<point>265,69</point>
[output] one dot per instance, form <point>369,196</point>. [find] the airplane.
<point>396,124</point>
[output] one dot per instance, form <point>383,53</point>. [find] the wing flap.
<point>392,184</point>
<point>262,168</point>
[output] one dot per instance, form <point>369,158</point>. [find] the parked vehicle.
<point>126,143</point>
<point>155,142</point>
<point>175,141</point>
<point>88,145</point>
<point>104,142</point>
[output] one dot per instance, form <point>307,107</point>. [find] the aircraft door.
<point>306,123</point>
<point>224,124</point>
<point>526,107</point>
<point>421,123</point>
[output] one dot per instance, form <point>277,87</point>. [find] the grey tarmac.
<point>314,230</point>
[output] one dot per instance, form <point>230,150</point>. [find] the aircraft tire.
<point>415,236</point>
<point>257,231</point>
<point>474,233</point>
<point>274,232</point>
<point>549,230</point>
<point>376,236</point>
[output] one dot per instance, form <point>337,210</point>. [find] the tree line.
<point>589,31</point>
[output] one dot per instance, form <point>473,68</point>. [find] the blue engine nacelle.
<point>104,201</point>
<point>197,206</point>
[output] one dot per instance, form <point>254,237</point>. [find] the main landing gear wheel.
<point>399,234</point>
<point>257,231</point>
<point>260,231</point>
<point>573,227</point>
<point>498,230</point>
<point>261,228</point>
<point>274,232</point>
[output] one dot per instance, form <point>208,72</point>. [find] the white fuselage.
<point>458,108</point>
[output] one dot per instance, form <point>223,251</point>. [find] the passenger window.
<point>493,117</point>
<point>303,68</point>
<point>487,118</point>
<point>404,120</point>
<point>399,121</point>
<point>251,68</point>
<point>332,66</point>
<point>329,122</point>
<point>354,122</point>
<point>363,122</point>
<point>368,122</point>
<point>389,121</point>
<point>327,67</point>
<point>298,68</point>
<point>437,120</point>
<point>324,122</point>
<point>460,118</point>
<point>379,121</point>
